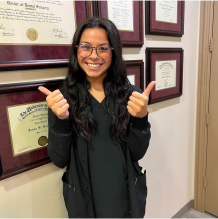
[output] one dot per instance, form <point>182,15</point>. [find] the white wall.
<point>169,160</point>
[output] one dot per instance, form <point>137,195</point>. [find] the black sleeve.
<point>139,135</point>
<point>59,139</point>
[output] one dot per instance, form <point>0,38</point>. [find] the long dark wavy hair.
<point>116,87</point>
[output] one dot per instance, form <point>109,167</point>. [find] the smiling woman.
<point>91,59</point>
<point>98,127</point>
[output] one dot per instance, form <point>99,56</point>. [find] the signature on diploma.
<point>24,148</point>
<point>58,33</point>
<point>2,27</point>
<point>6,32</point>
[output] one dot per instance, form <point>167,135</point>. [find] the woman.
<point>98,127</point>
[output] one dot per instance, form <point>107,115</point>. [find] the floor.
<point>196,214</point>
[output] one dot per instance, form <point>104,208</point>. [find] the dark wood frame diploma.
<point>14,57</point>
<point>20,94</point>
<point>136,68</point>
<point>128,39</point>
<point>170,67</point>
<point>156,27</point>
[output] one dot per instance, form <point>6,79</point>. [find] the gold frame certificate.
<point>28,126</point>
<point>165,74</point>
<point>36,22</point>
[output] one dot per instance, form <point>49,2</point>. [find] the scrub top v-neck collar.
<point>96,102</point>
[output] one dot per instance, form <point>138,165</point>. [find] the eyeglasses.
<point>102,51</point>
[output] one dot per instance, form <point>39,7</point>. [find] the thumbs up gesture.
<point>56,102</point>
<point>137,104</point>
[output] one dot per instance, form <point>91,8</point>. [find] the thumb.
<point>149,88</point>
<point>44,90</point>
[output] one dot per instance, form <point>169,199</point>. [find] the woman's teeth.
<point>93,65</point>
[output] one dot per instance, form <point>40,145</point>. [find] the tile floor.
<point>196,214</point>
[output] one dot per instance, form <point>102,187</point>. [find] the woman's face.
<point>93,66</point>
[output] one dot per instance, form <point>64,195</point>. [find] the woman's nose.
<point>94,53</point>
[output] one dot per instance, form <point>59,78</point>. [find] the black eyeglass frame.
<point>93,47</point>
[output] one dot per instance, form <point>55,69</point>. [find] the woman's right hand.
<point>56,102</point>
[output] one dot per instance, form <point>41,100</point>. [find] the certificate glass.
<point>135,72</point>
<point>121,14</point>
<point>38,34</point>
<point>166,11</point>
<point>131,79</point>
<point>127,16</point>
<point>164,18</point>
<point>37,22</point>
<point>165,74</point>
<point>23,124</point>
<point>165,66</point>
<point>28,127</point>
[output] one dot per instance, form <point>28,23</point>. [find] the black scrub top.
<point>108,170</point>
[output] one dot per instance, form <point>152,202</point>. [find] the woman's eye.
<point>84,47</point>
<point>102,48</point>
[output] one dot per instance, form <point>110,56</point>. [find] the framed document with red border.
<point>128,17</point>
<point>38,33</point>
<point>23,123</point>
<point>135,72</point>
<point>165,66</point>
<point>164,18</point>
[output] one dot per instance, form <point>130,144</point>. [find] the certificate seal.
<point>32,34</point>
<point>42,140</point>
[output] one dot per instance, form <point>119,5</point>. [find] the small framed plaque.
<point>165,66</point>
<point>164,18</point>
<point>128,18</point>
<point>135,72</point>
<point>35,34</point>
<point>24,127</point>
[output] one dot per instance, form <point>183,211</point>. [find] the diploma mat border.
<point>13,94</point>
<point>168,93</point>
<point>153,27</point>
<point>136,68</point>
<point>128,38</point>
<point>23,57</point>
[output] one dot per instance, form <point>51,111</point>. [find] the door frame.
<point>204,69</point>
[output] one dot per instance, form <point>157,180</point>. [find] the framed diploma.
<point>165,66</point>
<point>135,72</point>
<point>128,18</point>
<point>24,127</point>
<point>38,33</point>
<point>164,18</point>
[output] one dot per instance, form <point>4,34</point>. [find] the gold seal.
<point>32,34</point>
<point>43,140</point>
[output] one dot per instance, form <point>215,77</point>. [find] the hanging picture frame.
<point>165,66</point>
<point>135,72</point>
<point>23,123</point>
<point>127,16</point>
<point>46,34</point>
<point>164,18</point>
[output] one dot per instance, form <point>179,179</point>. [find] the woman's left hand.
<point>137,104</point>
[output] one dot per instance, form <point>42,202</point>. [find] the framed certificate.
<point>24,127</point>
<point>135,72</point>
<point>165,66</point>
<point>38,33</point>
<point>128,18</point>
<point>164,18</point>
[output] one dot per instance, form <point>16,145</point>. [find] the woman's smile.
<point>94,66</point>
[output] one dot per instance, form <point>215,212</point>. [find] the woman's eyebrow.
<point>85,42</point>
<point>91,44</point>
